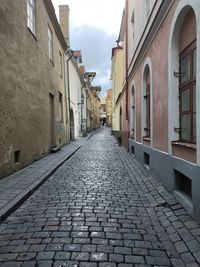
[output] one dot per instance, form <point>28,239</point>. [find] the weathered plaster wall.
<point>159,88</point>
<point>27,77</point>
<point>117,80</point>
<point>75,96</point>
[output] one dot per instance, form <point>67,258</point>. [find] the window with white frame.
<point>147,103</point>
<point>31,15</point>
<point>50,43</point>
<point>61,64</point>
<point>133,22</point>
<point>147,9</point>
<point>187,93</point>
<point>60,107</point>
<point>133,112</point>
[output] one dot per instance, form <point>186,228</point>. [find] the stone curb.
<point>17,201</point>
<point>93,133</point>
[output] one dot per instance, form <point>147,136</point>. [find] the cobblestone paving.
<point>100,209</point>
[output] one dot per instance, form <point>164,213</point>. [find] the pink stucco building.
<point>160,100</point>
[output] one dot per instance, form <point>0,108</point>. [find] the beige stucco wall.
<point>117,80</point>
<point>109,108</point>
<point>95,110</point>
<point>75,84</point>
<point>27,77</point>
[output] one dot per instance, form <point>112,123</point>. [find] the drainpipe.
<point>64,76</point>
<point>68,83</point>
<point>82,106</point>
<point>126,58</point>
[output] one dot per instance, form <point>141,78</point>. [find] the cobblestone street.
<point>100,208</point>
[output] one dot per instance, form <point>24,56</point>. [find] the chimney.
<point>64,21</point>
<point>82,69</point>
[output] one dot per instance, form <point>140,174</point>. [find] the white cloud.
<point>96,52</point>
<point>103,14</point>
<point>94,29</point>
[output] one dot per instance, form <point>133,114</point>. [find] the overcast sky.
<point>94,29</point>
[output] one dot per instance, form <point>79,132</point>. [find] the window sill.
<point>146,138</point>
<point>189,145</point>
<point>51,61</point>
<point>32,33</point>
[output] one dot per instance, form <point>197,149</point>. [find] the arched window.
<point>187,79</point>
<point>183,77</point>
<point>132,124</point>
<point>147,102</point>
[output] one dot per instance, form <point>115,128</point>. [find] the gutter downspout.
<point>126,86</point>
<point>68,86</point>
<point>82,109</point>
<point>64,75</point>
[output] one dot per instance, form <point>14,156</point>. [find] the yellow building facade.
<point>117,80</point>
<point>95,100</point>
<point>109,108</point>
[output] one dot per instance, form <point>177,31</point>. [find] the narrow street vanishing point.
<point>100,208</point>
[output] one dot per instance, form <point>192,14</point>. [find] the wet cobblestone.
<point>100,209</point>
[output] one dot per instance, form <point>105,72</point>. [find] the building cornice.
<point>158,14</point>
<point>114,49</point>
<point>52,15</point>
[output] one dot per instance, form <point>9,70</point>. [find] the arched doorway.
<point>72,130</point>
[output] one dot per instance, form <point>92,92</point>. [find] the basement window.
<point>146,160</point>
<point>183,191</point>
<point>183,183</point>
<point>16,156</point>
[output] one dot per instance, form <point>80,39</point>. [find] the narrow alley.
<point>100,208</point>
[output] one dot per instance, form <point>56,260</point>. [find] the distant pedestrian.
<point>104,121</point>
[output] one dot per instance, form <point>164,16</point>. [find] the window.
<point>61,64</point>
<point>60,107</point>
<point>148,123</point>
<point>78,59</point>
<point>148,109</point>
<point>133,22</point>
<point>187,92</point>
<point>31,15</point>
<point>146,160</point>
<point>16,156</point>
<point>146,104</point>
<point>50,43</point>
<point>147,9</point>
<point>183,183</point>
<point>133,113</point>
